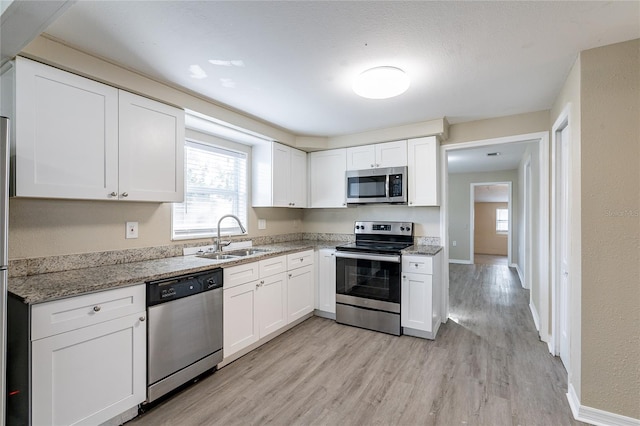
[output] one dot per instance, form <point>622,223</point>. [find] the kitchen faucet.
<point>219,244</point>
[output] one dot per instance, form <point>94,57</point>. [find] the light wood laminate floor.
<point>489,259</point>
<point>486,367</point>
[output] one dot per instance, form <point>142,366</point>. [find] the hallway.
<point>486,367</point>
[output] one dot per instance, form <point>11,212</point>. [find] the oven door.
<point>368,280</point>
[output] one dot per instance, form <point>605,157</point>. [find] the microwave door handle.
<point>386,186</point>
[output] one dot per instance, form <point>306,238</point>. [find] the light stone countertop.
<point>42,288</point>
<point>424,250</point>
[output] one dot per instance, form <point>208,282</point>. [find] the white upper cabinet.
<point>66,134</point>
<point>424,171</point>
<point>327,184</point>
<point>151,150</point>
<point>77,138</point>
<point>279,176</point>
<point>388,154</point>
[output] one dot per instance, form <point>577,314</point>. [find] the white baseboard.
<point>595,416</point>
<point>534,314</point>
<point>462,262</point>
<point>520,275</point>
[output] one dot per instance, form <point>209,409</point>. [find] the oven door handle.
<point>375,257</point>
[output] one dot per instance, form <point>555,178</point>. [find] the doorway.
<point>538,219</point>
<point>492,223</point>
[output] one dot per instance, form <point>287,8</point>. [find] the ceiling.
<point>291,63</point>
<point>472,160</point>
<point>491,193</point>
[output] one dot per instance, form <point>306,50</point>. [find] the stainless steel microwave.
<point>384,185</point>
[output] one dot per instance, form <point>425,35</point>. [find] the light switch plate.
<point>132,230</point>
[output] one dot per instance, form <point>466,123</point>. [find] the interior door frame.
<point>542,139</point>
<point>472,218</point>
<point>563,121</point>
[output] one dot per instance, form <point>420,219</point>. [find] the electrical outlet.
<point>132,230</point>
<point>262,224</point>
<point>455,243</point>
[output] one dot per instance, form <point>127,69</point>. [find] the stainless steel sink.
<point>217,256</point>
<point>245,252</point>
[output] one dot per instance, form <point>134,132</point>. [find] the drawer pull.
<point>302,259</point>
<point>114,194</point>
<point>97,308</point>
<point>142,319</point>
<point>417,265</point>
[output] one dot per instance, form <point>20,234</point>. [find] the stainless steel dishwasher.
<point>184,336</point>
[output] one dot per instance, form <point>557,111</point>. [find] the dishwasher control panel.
<point>167,289</point>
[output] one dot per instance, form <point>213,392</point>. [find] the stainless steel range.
<point>368,276</point>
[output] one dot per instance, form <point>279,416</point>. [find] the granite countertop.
<point>57,285</point>
<point>424,250</point>
<point>42,288</point>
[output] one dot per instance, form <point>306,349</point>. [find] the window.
<point>502,221</point>
<point>215,185</point>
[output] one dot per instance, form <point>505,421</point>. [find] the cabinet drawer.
<point>240,274</point>
<point>272,266</point>
<point>298,260</point>
<point>417,264</point>
<point>48,319</point>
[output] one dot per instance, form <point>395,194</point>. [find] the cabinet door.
<point>240,317</point>
<point>424,173</point>
<point>298,179</point>
<point>299,293</point>
<point>272,303</point>
<point>91,374</point>
<point>327,281</point>
<point>151,150</point>
<point>66,134</point>
<point>361,157</point>
<point>416,301</point>
<point>327,181</point>
<point>391,154</point>
<point>281,174</point>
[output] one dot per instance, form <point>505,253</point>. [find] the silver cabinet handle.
<point>125,194</point>
<point>142,319</point>
<point>302,259</point>
<point>113,194</point>
<point>96,308</point>
<point>290,275</point>
<point>404,276</point>
<point>417,265</point>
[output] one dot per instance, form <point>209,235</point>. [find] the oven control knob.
<point>402,228</point>
<point>408,229</point>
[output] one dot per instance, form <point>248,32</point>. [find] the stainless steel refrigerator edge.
<point>4,233</point>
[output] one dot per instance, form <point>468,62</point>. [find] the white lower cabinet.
<point>92,373</point>
<point>420,311</point>
<point>261,298</point>
<point>300,300</point>
<point>326,300</point>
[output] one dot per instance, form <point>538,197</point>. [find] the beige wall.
<point>519,124</point>
<point>426,219</point>
<point>610,192</point>
<point>485,238</point>
<point>459,206</point>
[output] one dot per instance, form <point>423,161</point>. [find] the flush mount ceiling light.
<point>381,83</point>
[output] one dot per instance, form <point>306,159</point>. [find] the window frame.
<point>212,232</point>
<point>501,221</point>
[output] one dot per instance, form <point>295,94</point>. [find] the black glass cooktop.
<point>374,247</point>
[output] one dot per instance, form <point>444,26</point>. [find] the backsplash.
<point>43,265</point>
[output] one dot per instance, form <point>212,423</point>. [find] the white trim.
<point>520,274</point>
<point>563,121</point>
<point>536,317</point>
<point>461,262</point>
<point>595,416</point>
